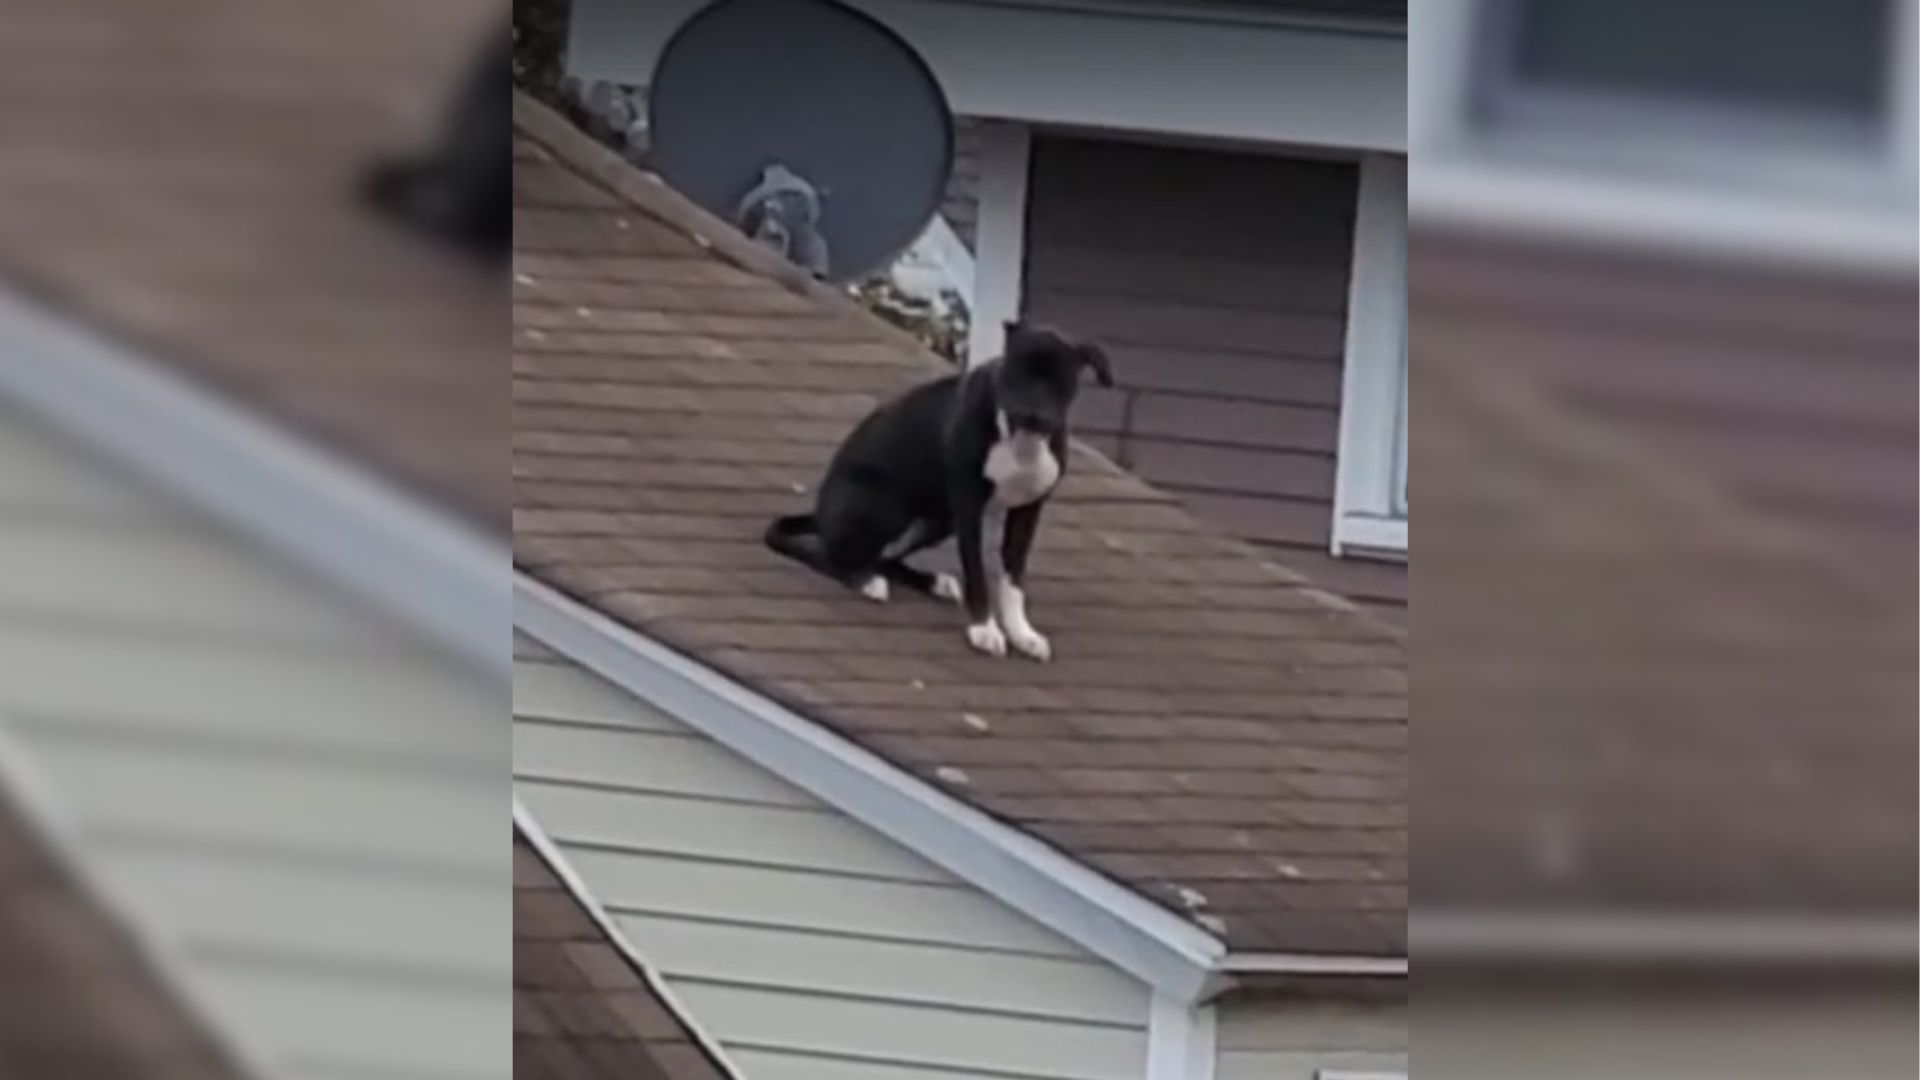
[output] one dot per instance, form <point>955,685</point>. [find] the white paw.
<point>875,590</point>
<point>946,587</point>
<point>987,638</point>
<point>1030,642</point>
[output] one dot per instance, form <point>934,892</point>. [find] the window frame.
<point>1798,149</point>
<point>1370,517</point>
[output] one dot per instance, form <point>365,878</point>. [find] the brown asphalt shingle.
<point>1213,732</point>
<point>1656,676</point>
<point>580,1009</point>
<point>182,176</point>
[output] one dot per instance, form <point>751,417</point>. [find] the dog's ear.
<point>1095,357</point>
<point>1013,333</point>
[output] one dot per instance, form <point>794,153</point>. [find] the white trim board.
<point>1000,236</point>
<point>1182,1040</point>
<point>1373,390</point>
<point>422,567</point>
<point>576,887</point>
<point>1104,917</point>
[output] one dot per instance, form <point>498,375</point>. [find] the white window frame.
<point>1369,511</point>
<point>1466,178</point>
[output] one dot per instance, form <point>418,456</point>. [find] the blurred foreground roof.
<point>182,175</point>
<point>1667,605</point>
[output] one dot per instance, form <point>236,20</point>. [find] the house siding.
<point>296,800</point>
<point>1218,280</point>
<point>1294,1040</point>
<point>1126,67</point>
<point>810,946</point>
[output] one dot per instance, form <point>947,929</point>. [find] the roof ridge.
<point>653,196</point>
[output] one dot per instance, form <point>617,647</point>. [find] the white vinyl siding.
<point>811,947</point>
<point>298,803</point>
<point>1298,1040</point>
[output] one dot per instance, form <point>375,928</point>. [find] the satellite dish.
<point>811,126</point>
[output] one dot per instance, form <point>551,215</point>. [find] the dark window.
<point>1819,55</point>
<point>1794,68</point>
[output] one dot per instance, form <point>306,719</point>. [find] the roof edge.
<point>549,852</point>
<point>423,567</point>
<point>1108,919</point>
<point>1286,963</point>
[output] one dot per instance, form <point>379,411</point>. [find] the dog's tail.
<point>789,536</point>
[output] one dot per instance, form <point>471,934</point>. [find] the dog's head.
<point>1040,375</point>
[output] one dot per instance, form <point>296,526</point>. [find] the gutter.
<point>1372,967</point>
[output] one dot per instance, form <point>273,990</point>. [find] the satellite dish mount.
<point>814,128</point>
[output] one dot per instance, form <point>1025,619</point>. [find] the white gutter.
<point>1135,934</point>
<point>1311,964</point>
<point>421,566</point>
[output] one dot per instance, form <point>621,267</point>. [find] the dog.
<point>973,455</point>
<point>460,190</point>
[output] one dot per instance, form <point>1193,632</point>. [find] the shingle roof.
<point>1213,732</point>
<point>581,1010</point>
<point>183,176</point>
<point>80,1001</point>
<point>1668,629</point>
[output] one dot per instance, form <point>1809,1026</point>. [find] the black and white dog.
<point>461,188</point>
<point>973,455</point>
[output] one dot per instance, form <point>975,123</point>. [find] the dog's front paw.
<point>946,587</point>
<point>988,638</point>
<point>1030,642</point>
<point>875,590</point>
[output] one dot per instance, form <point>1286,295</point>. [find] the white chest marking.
<point>1022,468</point>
